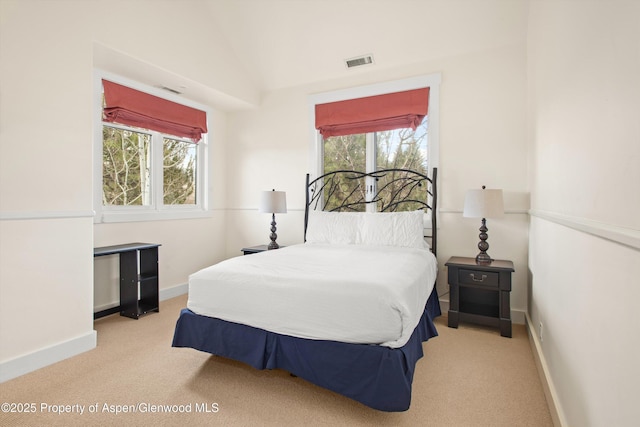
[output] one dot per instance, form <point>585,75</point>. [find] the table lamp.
<point>483,204</point>
<point>273,202</point>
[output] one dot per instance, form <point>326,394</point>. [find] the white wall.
<point>47,234</point>
<point>584,100</point>
<point>45,263</point>
<point>482,142</point>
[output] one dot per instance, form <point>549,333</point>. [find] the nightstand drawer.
<point>480,278</point>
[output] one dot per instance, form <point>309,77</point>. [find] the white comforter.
<point>347,293</point>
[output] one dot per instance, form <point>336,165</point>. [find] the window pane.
<point>179,174</point>
<point>401,149</point>
<point>344,153</point>
<point>126,160</point>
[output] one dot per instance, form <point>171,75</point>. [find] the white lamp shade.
<point>483,203</point>
<point>273,202</point>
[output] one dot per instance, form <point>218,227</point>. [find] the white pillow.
<point>333,227</point>
<point>405,229</point>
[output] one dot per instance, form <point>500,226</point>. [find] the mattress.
<point>362,294</point>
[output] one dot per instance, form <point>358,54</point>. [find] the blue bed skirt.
<point>379,377</point>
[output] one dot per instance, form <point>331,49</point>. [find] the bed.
<point>348,309</point>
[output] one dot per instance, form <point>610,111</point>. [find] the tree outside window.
<point>179,172</point>
<point>394,149</point>
<point>127,168</point>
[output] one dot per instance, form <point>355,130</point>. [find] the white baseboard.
<point>99,308</point>
<point>163,294</point>
<point>47,356</point>
<point>444,306</point>
<point>557,415</point>
<point>518,317</point>
<point>174,291</point>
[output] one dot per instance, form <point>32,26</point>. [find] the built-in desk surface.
<point>116,249</point>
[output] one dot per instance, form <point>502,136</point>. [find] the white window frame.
<point>157,210</point>
<point>432,81</point>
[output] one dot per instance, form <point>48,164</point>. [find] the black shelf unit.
<point>138,278</point>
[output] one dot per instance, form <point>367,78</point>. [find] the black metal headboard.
<point>390,189</point>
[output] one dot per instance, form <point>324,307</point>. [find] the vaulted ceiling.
<point>285,43</point>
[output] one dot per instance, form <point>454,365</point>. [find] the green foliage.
<point>179,173</point>
<point>344,153</point>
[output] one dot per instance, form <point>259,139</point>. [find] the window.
<point>147,172</point>
<point>403,148</point>
<point>400,148</point>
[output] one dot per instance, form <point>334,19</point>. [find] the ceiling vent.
<point>359,61</point>
<point>177,92</point>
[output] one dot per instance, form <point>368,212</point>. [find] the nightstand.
<point>255,249</point>
<point>480,293</point>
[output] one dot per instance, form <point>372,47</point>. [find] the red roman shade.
<point>373,113</point>
<point>134,108</point>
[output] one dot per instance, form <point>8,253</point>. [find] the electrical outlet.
<point>540,331</point>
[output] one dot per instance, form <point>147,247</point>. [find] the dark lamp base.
<point>483,258</point>
<point>273,236</point>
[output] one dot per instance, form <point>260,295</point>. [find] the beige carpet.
<point>468,377</point>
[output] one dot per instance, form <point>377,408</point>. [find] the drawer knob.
<point>481,279</point>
